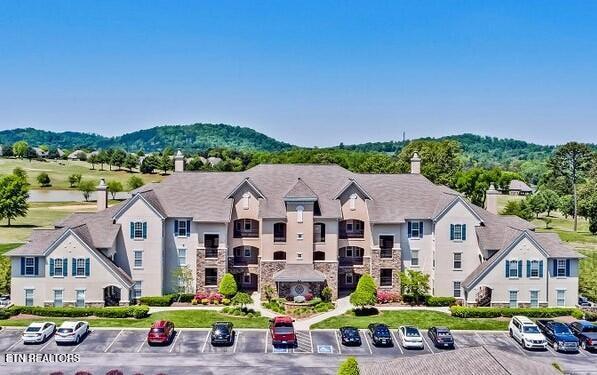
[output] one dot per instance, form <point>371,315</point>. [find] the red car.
<point>282,331</point>
<point>161,332</point>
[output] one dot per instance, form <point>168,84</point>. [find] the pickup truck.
<point>558,335</point>
<point>586,333</point>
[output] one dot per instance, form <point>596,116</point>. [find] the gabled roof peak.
<point>300,191</point>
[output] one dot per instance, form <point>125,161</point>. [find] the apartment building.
<point>297,229</point>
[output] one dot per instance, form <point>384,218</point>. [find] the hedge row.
<point>137,312</point>
<point>590,316</point>
<point>430,300</point>
<point>495,312</point>
<point>166,300</point>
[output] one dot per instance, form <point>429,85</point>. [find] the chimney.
<point>415,164</point>
<point>179,162</point>
<point>102,195</point>
<point>491,197</point>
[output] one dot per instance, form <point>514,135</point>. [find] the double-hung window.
<point>182,257</point>
<point>534,268</point>
<point>561,297</point>
<point>349,278</point>
<point>80,298</point>
<point>534,298</point>
<point>137,289</point>
<point>457,289</point>
<point>138,233</point>
<point>58,270</point>
<point>414,258</point>
<point>457,232</point>
<point>513,269</point>
<point>561,268</point>
<point>58,297</point>
<point>415,229</point>
<point>457,261</point>
<point>29,266</point>
<point>138,258</point>
<point>80,267</point>
<point>182,228</point>
<point>29,297</point>
<point>513,298</point>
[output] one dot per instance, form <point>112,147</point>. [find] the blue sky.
<point>306,72</point>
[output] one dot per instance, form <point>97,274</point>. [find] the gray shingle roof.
<point>519,185</point>
<point>298,272</point>
<point>300,190</point>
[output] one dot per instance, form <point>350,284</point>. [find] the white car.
<point>523,330</point>
<point>410,337</point>
<point>71,332</point>
<point>38,332</point>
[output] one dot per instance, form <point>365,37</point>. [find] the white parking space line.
<point>205,343</point>
<point>113,341</point>
<point>235,342</point>
<point>396,342</point>
<point>367,341</point>
<point>179,333</point>
<point>581,352</point>
<point>141,346</point>
<point>552,351</point>
<point>480,338</point>
<point>516,344</point>
<point>266,337</point>
<point>46,344</point>
<point>311,339</point>
<point>15,344</point>
<point>425,341</point>
<point>338,342</point>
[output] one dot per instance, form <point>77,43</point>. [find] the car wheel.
<point>510,332</point>
<point>523,343</point>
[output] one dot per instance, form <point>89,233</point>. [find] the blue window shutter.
<point>420,229</point>
<point>188,228</point>
<point>528,268</point>
<point>567,267</point>
<point>175,227</point>
<point>555,267</point>
<point>51,267</point>
<point>520,268</point>
<point>74,266</point>
<point>65,267</point>
<point>540,268</point>
<point>409,229</point>
<point>132,230</point>
<point>22,265</point>
<point>36,266</point>
<point>144,230</point>
<point>451,232</point>
<point>87,266</point>
<point>463,232</point>
<point>507,268</point>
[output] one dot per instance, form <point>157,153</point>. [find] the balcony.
<point>385,253</point>
<point>245,256</point>
<point>246,228</point>
<point>350,261</point>
<point>351,229</point>
<point>211,253</point>
<point>343,235</point>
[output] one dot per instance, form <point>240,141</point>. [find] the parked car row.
<point>68,332</point>
<point>409,336</point>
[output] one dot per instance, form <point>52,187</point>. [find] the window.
<point>561,268</point>
<point>457,232</point>
<point>211,276</point>
<point>246,228</point>
<point>299,214</point>
<point>137,289</point>
<point>513,298</point>
<point>457,289</point>
<point>138,230</point>
<point>414,258</point>
<point>279,232</point>
<point>58,267</point>
<point>457,261</point>
<point>353,202</point>
<point>80,267</point>
<point>299,236</point>
<point>29,266</point>
<point>246,197</point>
<point>349,278</point>
<point>182,257</point>
<point>80,298</point>
<point>561,297</point>
<point>386,244</point>
<point>299,256</point>
<point>415,229</point>
<point>534,298</point>
<point>534,268</point>
<point>29,297</point>
<point>182,228</point>
<point>280,255</point>
<point>58,297</point>
<point>513,268</point>
<point>138,259</point>
<point>247,252</point>
<point>247,279</point>
<point>319,255</point>
<point>385,277</point>
<point>248,225</point>
<point>319,232</point>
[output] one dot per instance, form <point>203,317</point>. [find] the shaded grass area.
<point>59,170</point>
<point>4,247</point>
<point>180,318</point>
<point>423,319</point>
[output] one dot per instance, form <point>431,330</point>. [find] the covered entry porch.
<point>299,280</point>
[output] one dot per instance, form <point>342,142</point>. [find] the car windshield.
<point>531,329</point>
<point>32,329</point>
<point>382,331</point>
<point>157,330</point>
<point>283,330</point>
<point>221,330</point>
<point>561,329</point>
<point>411,332</point>
<point>351,332</point>
<point>591,328</point>
<point>65,330</point>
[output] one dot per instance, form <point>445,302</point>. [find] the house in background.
<point>297,229</point>
<point>517,187</point>
<point>77,155</point>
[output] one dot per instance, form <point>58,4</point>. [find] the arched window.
<point>319,255</point>
<point>353,202</point>
<point>279,255</point>
<point>299,214</point>
<point>246,228</point>
<point>246,197</point>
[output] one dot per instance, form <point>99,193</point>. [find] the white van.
<point>523,330</point>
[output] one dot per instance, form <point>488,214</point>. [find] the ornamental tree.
<point>228,285</point>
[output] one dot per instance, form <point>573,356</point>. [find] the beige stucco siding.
<point>445,273</point>
<point>424,246</point>
<point>172,243</point>
<point>569,284</point>
<point>151,274</point>
<point>70,247</point>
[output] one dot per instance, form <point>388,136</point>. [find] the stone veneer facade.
<point>377,263</point>
<point>330,270</point>
<point>266,274</point>
<point>220,263</point>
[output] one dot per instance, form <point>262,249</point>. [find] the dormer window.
<point>299,214</point>
<point>246,197</point>
<point>353,202</point>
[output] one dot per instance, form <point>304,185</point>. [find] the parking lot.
<point>321,342</point>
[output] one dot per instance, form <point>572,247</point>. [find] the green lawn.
<point>4,247</point>
<point>420,318</point>
<point>181,319</point>
<point>59,170</point>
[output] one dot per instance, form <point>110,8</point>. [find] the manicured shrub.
<point>137,312</point>
<point>308,296</point>
<point>364,294</point>
<point>495,312</point>
<point>440,301</point>
<point>228,285</point>
<point>326,294</point>
<point>591,316</point>
<point>315,301</point>
<point>225,301</point>
<point>205,301</point>
<point>349,367</point>
<point>184,297</point>
<point>193,301</point>
<point>384,296</point>
<point>157,300</point>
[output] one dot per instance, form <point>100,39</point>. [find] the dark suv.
<point>380,334</point>
<point>222,333</point>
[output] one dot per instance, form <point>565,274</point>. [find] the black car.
<point>222,333</point>
<point>350,336</point>
<point>380,334</point>
<point>441,337</point>
<point>584,302</point>
<point>586,332</point>
<point>558,335</point>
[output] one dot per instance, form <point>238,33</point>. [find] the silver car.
<point>38,332</point>
<point>71,332</point>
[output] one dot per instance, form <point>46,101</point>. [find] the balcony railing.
<point>279,237</point>
<point>211,252</point>
<point>385,253</point>
<point>211,280</point>
<point>385,281</point>
<point>254,233</point>
<point>354,234</point>
<point>245,261</point>
<point>350,261</point>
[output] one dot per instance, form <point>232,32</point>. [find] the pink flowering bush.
<point>384,296</point>
<point>308,296</point>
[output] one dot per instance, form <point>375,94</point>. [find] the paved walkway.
<point>342,306</point>
<point>155,309</point>
<point>257,306</point>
